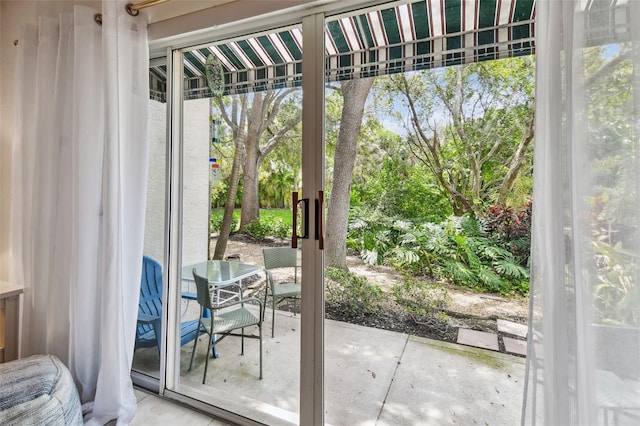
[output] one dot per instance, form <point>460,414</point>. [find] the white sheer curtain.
<point>583,365</point>
<point>78,199</point>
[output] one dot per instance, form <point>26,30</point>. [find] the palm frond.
<point>459,272</point>
<point>510,269</point>
<point>370,256</point>
<point>490,279</point>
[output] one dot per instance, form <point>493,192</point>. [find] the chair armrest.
<point>240,302</point>
<point>148,319</point>
<point>190,296</point>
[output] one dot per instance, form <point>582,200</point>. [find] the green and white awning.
<point>389,38</point>
<point>428,34</point>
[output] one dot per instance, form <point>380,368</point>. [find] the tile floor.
<point>157,411</point>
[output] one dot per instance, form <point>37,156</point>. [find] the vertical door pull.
<point>320,220</point>
<point>304,219</point>
<point>294,231</point>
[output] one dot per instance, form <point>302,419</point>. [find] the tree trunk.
<point>250,197</point>
<point>265,108</point>
<point>354,93</point>
<point>516,162</point>
<point>227,218</point>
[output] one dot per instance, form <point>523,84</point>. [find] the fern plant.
<point>459,249</point>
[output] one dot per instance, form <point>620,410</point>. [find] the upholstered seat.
<point>38,390</point>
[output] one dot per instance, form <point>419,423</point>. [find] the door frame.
<point>313,165</point>
<point>313,168</point>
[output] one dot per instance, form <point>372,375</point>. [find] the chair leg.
<point>195,343</point>
<point>260,334</point>
<point>206,360</point>
<point>273,315</point>
<point>264,306</point>
<point>242,342</point>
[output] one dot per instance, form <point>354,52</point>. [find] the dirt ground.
<point>467,308</point>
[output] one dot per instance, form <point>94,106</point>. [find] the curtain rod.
<point>132,9</point>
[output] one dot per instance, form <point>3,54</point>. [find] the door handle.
<point>305,219</point>
<point>294,212</point>
<point>319,216</point>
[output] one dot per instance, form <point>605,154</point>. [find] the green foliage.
<point>276,183</point>
<point>216,220</point>
<point>613,217</point>
<point>616,297</point>
<point>400,189</point>
<point>420,299</point>
<point>352,293</point>
<point>268,226</point>
<point>272,223</point>
<point>470,126</point>
<point>458,249</point>
<point>371,233</point>
<point>469,257</point>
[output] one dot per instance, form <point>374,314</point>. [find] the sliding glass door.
<point>146,359</point>
<point>238,139</point>
<point>248,120</point>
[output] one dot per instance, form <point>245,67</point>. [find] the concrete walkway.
<point>372,377</point>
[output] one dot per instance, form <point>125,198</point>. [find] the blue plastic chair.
<point>149,330</point>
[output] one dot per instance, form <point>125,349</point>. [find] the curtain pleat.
<point>583,361</point>
<point>79,194</point>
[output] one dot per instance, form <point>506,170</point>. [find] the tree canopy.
<point>470,125</point>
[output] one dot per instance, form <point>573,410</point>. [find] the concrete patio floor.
<point>372,377</point>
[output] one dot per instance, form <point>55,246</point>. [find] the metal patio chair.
<point>224,320</point>
<point>274,258</point>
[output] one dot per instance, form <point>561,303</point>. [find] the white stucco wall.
<point>155,213</point>
<point>196,183</point>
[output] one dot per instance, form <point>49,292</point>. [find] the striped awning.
<point>390,38</point>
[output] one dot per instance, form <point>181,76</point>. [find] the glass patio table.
<point>225,277</point>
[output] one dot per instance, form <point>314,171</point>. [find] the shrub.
<point>279,228</point>
<point>373,233</point>
<point>511,228</point>
<point>468,257</point>
<point>352,293</point>
<point>615,292</point>
<point>399,189</point>
<point>256,229</point>
<point>216,221</point>
<point>267,227</point>
<point>420,299</point>
<point>458,249</point>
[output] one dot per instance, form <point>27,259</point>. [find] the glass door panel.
<point>413,169</point>
<point>360,360</point>
<point>146,359</point>
<point>240,148</point>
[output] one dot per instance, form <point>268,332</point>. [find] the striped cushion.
<point>38,390</point>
